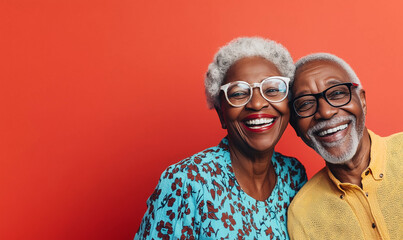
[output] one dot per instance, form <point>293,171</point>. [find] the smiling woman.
<point>242,187</point>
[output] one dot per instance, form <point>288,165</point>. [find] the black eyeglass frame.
<point>323,95</point>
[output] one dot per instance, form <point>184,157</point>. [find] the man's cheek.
<point>302,132</point>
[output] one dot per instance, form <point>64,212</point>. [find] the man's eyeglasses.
<point>337,96</point>
<point>239,93</point>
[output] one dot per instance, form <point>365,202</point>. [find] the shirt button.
<point>366,194</point>
<point>381,175</point>
<point>367,172</point>
<point>373,225</point>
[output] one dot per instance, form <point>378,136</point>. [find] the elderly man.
<point>358,195</point>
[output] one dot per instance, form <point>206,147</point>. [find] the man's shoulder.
<point>315,190</point>
<point>395,139</point>
<point>393,143</point>
<point>391,138</point>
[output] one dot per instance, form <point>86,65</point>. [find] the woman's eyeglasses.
<point>239,93</point>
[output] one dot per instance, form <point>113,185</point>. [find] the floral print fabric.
<point>199,198</point>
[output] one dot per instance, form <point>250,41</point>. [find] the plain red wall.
<point>97,98</point>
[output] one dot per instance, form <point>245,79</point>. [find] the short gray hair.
<point>330,58</point>
<point>241,48</point>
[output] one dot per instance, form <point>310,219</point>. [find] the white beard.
<point>351,141</point>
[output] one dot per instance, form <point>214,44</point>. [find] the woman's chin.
<point>262,145</point>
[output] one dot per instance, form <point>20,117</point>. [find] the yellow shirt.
<point>325,208</point>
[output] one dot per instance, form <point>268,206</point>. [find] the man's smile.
<point>332,130</point>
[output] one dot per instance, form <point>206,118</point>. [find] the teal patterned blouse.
<point>200,198</point>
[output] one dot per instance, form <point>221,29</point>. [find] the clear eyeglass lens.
<point>238,93</point>
<point>274,89</point>
<point>305,106</point>
<point>338,95</point>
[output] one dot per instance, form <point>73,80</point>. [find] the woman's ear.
<point>221,117</point>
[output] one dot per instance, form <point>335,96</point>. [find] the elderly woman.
<point>240,189</point>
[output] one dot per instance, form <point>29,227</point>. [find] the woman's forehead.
<point>247,69</point>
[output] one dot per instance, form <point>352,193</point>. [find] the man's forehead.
<point>318,71</point>
<point>318,64</point>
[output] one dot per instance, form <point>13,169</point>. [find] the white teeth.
<point>333,130</point>
<point>259,121</point>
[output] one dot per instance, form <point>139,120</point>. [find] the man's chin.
<point>339,152</point>
<point>335,159</point>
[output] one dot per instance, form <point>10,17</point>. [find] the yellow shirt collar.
<point>377,162</point>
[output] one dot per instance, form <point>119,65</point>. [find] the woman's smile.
<point>259,122</point>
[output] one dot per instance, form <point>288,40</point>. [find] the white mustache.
<point>329,123</point>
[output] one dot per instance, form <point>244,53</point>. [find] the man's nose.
<point>325,110</point>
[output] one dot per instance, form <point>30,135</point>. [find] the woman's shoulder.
<point>290,170</point>
<point>180,195</point>
<point>289,162</point>
<point>211,161</point>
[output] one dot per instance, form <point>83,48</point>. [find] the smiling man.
<point>358,195</point>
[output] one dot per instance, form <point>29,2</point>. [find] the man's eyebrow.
<point>302,93</point>
<point>333,81</point>
<point>328,84</point>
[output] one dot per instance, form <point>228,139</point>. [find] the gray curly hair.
<point>331,58</point>
<point>240,48</point>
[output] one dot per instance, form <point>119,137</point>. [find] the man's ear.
<point>363,101</point>
<point>293,124</point>
<point>220,115</point>
<point>293,119</point>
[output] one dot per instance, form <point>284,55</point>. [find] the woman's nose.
<point>257,101</point>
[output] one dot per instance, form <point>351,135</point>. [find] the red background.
<point>97,98</point>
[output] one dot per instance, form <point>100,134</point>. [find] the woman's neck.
<point>254,172</point>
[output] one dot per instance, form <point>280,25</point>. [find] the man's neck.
<point>351,171</point>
